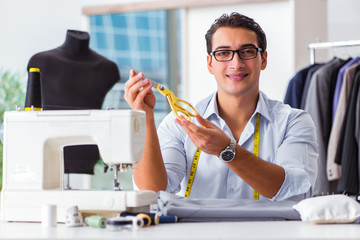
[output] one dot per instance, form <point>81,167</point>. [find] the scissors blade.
<point>155,84</point>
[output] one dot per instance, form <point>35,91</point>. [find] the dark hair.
<point>235,20</point>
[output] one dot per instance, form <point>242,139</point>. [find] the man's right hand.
<point>150,172</point>
<point>138,93</point>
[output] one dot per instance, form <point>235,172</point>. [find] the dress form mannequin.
<point>75,77</point>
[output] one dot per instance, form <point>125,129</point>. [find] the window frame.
<point>156,5</point>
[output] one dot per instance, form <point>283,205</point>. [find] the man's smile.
<point>237,76</point>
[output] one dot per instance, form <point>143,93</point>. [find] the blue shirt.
<point>287,138</point>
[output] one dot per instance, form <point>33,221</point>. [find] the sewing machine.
<point>33,169</point>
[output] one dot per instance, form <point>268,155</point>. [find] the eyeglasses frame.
<point>258,49</point>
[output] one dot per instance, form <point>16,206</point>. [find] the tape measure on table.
<point>197,156</point>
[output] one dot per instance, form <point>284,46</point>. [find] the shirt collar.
<point>212,108</point>
<point>261,107</point>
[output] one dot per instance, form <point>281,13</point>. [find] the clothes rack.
<point>321,45</point>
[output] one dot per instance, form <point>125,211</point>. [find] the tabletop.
<point>195,230</point>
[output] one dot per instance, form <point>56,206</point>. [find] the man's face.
<point>236,77</point>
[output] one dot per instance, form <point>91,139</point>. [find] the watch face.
<point>227,155</point>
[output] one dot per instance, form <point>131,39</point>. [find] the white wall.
<point>31,26</point>
<point>344,24</point>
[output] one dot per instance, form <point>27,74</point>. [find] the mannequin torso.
<point>73,75</point>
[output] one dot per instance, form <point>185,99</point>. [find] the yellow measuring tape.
<point>256,146</point>
<point>197,156</point>
<point>192,172</point>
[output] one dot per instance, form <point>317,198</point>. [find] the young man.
<point>228,130</point>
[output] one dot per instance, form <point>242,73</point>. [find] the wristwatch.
<point>228,154</point>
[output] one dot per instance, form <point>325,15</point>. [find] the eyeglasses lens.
<point>227,55</point>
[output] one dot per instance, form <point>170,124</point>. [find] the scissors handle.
<point>174,101</point>
<point>177,108</point>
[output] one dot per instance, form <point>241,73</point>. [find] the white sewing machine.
<point>33,169</point>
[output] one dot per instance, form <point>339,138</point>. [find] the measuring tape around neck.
<point>192,172</point>
<point>197,156</point>
<point>256,146</point>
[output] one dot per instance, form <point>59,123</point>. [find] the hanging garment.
<point>319,95</point>
<point>334,169</point>
<point>296,86</point>
<point>339,82</point>
<point>357,135</point>
<point>348,150</point>
<point>307,83</point>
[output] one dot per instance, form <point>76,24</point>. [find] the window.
<point>143,41</point>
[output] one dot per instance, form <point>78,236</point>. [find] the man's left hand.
<point>208,138</point>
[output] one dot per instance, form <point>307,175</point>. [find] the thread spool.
<point>48,215</point>
<point>154,217</point>
<point>33,100</point>
<point>95,221</point>
<point>168,219</point>
<point>120,223</point>
<point>146,219</point>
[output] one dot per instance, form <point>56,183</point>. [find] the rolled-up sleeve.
<point>175,171</point>
<point>171,138</point>
<point>298,154</point>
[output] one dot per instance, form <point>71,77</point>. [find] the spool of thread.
<point>146,219</point>
<point>120,223</point>
<point>154,217</point>
<point>48,215</point>
<point>33,100</point>
<point>95,221</point>
<point>168,219</point>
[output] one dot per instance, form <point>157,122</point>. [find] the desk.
<point>213,230</point>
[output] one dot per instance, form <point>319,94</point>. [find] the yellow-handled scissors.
<point>174,101</point>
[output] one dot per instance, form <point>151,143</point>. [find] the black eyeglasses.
<point>245,53</point>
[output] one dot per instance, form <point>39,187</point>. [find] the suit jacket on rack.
<point>295,87</point>
<point>348,150</point>
<point>357,135</point>
<point>319,96</point>
<point>334,169</point>
<point>339,82</point>
<point>307,83</point>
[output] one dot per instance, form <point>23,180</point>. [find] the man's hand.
<point>209,138</point>
<point>138,94</point>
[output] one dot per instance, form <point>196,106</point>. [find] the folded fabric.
<point>329,209</point>
<point>209,210</point>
